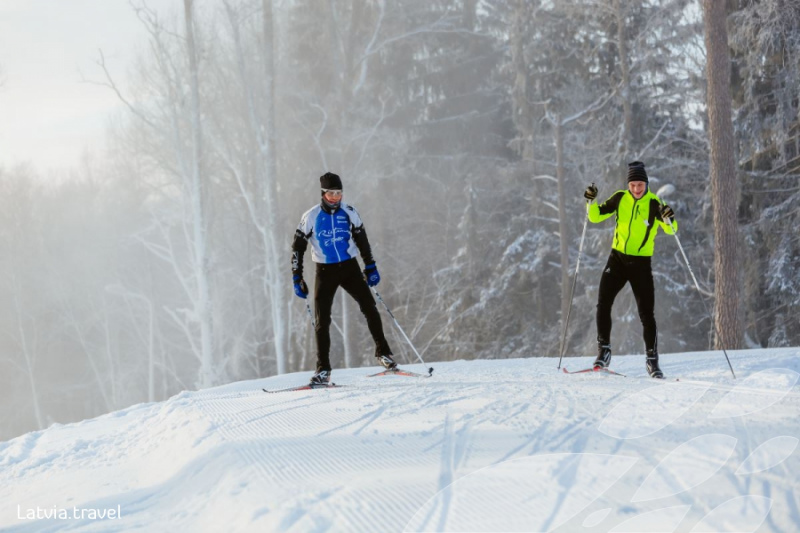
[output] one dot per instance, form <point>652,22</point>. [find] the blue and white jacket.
<point>335,234</point>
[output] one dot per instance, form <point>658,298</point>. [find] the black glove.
<point>666,212</point>
<point>371,274</point>
<point>300,287</point>
<point>590,193</point>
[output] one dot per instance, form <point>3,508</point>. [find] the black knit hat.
<point>329,180</point>
<point>636,172</point>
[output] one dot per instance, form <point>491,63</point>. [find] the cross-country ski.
<point>307,386</point>
<point>595,370</point>
<point>401,372</point>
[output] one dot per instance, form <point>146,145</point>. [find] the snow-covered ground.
<point>509,445</point>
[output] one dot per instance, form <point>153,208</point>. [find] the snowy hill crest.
<point>507,445</point>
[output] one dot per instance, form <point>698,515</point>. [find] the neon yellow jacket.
<point>637,221</point>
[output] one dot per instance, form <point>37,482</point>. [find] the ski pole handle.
<point>589,201</point>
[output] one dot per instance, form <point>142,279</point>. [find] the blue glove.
<point>300,287</point>
<point>371,274</point>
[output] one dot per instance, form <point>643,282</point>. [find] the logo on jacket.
<point>326,237</point>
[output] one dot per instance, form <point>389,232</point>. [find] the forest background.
<point>465,132</point>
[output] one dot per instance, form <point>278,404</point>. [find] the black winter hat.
<point>329,180</point>
<point>636,172</point>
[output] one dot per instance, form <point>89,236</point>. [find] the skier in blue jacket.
<point>337,235</point>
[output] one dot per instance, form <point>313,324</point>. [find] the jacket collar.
<point>328,209</point>
<point>646,193</point>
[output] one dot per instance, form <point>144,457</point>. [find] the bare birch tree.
<point>202,308</point>
<point>262,202</point>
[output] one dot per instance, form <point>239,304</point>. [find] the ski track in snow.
<point>384,454</point>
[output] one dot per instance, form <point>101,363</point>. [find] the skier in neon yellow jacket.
<point>639,214</point>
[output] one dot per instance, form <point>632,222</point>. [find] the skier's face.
<point>332,197</point>
<point>637,188</point>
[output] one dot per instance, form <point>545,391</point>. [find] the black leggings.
<point>347,275</point>
<point>619,270</point>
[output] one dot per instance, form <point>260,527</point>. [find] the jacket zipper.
<point>333,238</point>
<point>630,223</point>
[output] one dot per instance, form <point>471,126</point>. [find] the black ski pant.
<point>347,275</point>
<point>619,270</point>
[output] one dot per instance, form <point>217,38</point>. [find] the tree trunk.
<point>262,196</point>
<point>523,113</point>
<point>277,285</point>
<point>29,364</point>
<point>206,376</point>
<point>622,44</point>
<point>723,176</point>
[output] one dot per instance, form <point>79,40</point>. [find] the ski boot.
<point>387,362</point>
<point>603,356</point>
<point>652,365</point>
<point>321,378</point>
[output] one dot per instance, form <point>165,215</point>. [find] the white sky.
<point>48,117</point>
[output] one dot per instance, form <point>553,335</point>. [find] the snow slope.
<point>509,445</point>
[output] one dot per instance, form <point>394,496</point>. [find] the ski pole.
<point>574,282</point>
<point>310,315</point>
<point>697,285</point>
<point>430,370</point>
